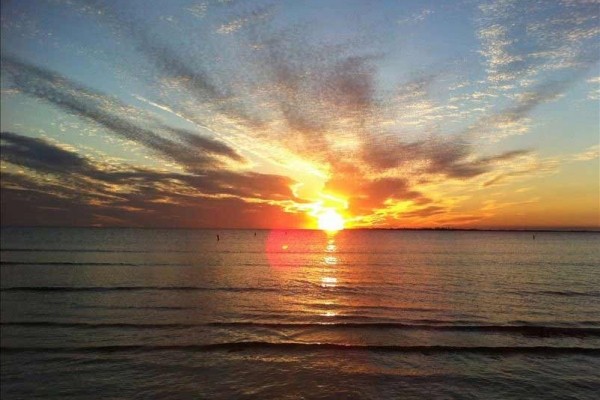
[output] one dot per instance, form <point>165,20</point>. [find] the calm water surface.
<point>128,313</point>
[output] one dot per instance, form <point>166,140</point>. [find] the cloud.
<point>198,154</point>
<point>295,81</point>
<point>452,157</point>
<point>205,144</point>
<point>425,212</point>
<point>179,69</point>
<point>523,41</point>
<point>37,205</point>
<point>594,93</point>
<point>324,99</point>
<point>528,166</point>
<point>512,119</point>
<point>38,154</point>
<point>416,17</point>
<point>244,20</point>
<point>58,181</point>
<point>503,65</point>
<point>367,196</point>
<point>268,95</point>
<point>591,153</point>
<point>198,9</point>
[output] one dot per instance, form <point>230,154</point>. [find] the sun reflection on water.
<point>330,260</point>
<point>331,247</point>
<point>328,281</point>
<point>310,260</point>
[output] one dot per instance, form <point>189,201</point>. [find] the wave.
<point>90,325</point>
<point>569,293</point>
<point>101,264</point>
<point>67,289</point>
<point>299,346</point>
<point>109,307</point>
<point>525,330</point>
<point>559,293</point>
<point>39,250</point>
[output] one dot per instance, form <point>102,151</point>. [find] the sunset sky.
<point>252,114</point>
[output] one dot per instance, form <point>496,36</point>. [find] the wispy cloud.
<point>244,20</point>
<point>416,17</point>
<point>200,153</point>
<point>522,41</point>
<point>268,96</point>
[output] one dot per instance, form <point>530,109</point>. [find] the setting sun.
<point>330,220</point>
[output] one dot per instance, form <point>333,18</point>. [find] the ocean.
<point>299,314</point>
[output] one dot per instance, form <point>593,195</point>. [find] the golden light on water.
<point>328,281</point>
<point>330,220</point>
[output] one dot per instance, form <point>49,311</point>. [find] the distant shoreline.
<point>508,230</point>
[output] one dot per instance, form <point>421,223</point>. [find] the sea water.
<point>373,314</point>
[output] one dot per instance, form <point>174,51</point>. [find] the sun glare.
<point>330,220</point>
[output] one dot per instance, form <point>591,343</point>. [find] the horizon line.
<point>437,229</point>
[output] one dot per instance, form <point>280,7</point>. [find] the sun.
<point>330,220</point>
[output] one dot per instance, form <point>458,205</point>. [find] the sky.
<point>270,114</point>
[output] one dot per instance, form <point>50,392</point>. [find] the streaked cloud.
<point>242,105</point>
<point>71,183</point>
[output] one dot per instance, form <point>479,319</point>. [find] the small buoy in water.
<point>218,238</point>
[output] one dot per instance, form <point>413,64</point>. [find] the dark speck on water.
<point>381,314</point>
